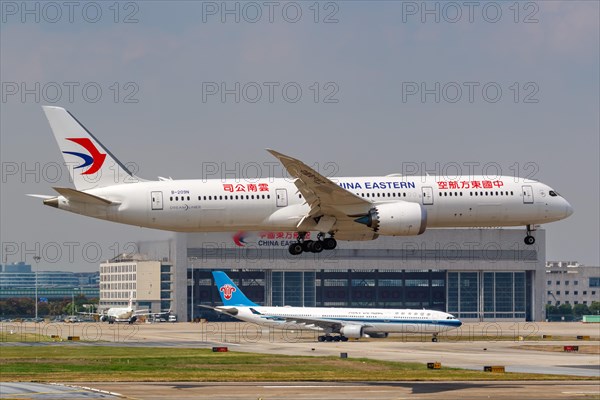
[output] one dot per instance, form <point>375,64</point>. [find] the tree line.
<point>25,307</point>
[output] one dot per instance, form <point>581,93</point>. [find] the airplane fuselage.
<point>231,205</point>
<point>371,320</point>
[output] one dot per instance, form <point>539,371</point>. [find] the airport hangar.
<point>475,274</point>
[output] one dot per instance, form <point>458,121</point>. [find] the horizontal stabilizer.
<point>82,197</point>
<point>40,196</point>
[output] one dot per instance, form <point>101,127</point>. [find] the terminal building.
<point>568,282</point>
<point>149,282</point>
<point>475,274</point>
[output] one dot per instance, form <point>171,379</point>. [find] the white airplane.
<point>360,208</point>
<point>121,314</point>
<point>346,322</point>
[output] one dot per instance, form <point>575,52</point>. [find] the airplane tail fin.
<point>131,300</point>
<point>230,294</point>
<point>90,164</point>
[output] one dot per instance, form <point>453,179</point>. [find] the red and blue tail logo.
<point>94,159</point>
<point>227,290</point>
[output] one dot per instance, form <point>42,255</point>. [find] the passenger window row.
<point>225,197</point>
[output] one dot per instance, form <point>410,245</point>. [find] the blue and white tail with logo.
<point>90,164</point>
<point>231,295</point>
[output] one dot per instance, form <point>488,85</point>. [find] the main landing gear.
<point>529,240</point>
<point>312,246</point>
<point>329,338</point>
<point>434,338</point>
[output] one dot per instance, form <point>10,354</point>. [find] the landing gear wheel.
<point>295,248</point>
<point>529,240</point>
<point>307,245</point>
<point>328,338</point>
<point>434,339</point>
<point>321,338</point>
<point>336,339</point>
<point>329,243</point>
<point>317,246</point>
<point>344,339</point>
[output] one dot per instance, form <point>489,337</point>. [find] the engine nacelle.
<point>377,335</point>
<point>352,331</point>
<point>396,219</point>
<point>104,318</point>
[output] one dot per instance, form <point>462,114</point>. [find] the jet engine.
<point>352,331</point>
<point>377,335</point>
<point>396,219</point>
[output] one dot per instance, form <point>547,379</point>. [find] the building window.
<point>595,281</point>
<point>549,283</point>
<point>575,283</point>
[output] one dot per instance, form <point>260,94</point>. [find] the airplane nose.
<point>568,210</point>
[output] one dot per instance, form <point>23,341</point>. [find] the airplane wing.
<point>323,323</point>
<point>324,196</point>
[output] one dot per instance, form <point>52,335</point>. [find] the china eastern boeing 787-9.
<point>360,208</point>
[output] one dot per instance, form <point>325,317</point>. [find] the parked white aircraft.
<point>121,314</point>
<point>360,208</point>
<point>347,322</point>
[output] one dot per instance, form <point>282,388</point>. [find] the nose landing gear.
<point>529,240</point>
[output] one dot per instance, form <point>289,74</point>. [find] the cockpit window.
<point>553,193</point>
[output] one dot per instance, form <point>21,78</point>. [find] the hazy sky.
<point>181,88</point>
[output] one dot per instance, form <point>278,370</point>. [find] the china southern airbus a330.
<point>360,208</point>
<point>346,322</point>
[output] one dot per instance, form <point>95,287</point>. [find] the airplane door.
<point>527,195</point>
<point>427,196</point>
<point>157,200</point>
<point>282,200</point>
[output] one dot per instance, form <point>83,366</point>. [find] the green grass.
<point>24,337</point>
<point>95,363</point>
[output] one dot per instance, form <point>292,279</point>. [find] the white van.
<point>172,318</point>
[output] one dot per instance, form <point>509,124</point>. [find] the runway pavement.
<point>472,347</point>
<point>309,390</point>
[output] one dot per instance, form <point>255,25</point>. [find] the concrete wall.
<point>148,281</point>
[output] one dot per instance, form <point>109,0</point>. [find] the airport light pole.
<point>37,260</point>
<point>73,302</point>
